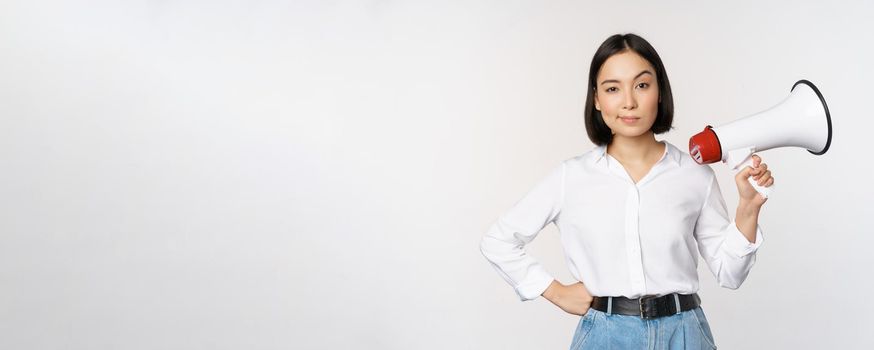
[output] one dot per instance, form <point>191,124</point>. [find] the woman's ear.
<point>597,105</point>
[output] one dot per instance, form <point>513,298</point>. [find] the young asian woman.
<point>633,214</point>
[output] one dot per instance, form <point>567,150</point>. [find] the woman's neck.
<point>639,149</point>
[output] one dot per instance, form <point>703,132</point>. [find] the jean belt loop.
<point>677,301</point>
<point>609,305</point>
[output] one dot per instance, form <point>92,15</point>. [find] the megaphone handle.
<point>764,191</point>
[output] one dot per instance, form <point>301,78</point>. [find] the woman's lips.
<point>629,120</point>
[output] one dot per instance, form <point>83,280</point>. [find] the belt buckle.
<point>641,303</point>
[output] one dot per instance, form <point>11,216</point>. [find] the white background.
<point>318,175</point>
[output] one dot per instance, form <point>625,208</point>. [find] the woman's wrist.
<point>747,219</point>
<point>748,209</point>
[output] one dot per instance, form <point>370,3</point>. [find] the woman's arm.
<point>504,243</point>
<point>750,203</point>
<point>728,252</point>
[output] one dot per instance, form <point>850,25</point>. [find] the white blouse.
<point>622,238</point>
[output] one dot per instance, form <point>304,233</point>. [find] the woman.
<point>633,214</point>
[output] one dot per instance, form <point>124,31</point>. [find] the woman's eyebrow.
<point>635,77</point>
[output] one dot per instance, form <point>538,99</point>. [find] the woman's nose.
<point>629,102</point>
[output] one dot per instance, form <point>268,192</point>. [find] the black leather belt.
<point>648,307</point>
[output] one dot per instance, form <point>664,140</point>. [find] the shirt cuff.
<point>737,244</point>
<point>535,284</point>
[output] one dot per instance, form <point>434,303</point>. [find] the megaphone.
<point>801,120</point>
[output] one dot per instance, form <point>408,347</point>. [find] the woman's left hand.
<point>760,173</point>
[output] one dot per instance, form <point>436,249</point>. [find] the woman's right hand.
<point>573,298</point>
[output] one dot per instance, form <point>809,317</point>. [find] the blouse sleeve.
<point>504,243</point>
<point>725,249</point>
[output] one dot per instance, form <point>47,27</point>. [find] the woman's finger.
<point>757,172</point>
<point>764,178</point>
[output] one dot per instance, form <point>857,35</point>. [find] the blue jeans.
<point>686,330</point>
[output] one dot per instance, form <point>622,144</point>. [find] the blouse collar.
<point>673,155</point>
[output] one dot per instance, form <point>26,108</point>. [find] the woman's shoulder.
<point>689,165</point>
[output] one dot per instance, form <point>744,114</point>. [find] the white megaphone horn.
<point>800,120</point>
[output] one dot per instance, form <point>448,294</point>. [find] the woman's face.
<point>627,94</point>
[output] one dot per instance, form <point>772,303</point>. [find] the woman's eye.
<point>611,89</point>
<point>643,85</point>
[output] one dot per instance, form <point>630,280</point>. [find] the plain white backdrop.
<point>318,174</point>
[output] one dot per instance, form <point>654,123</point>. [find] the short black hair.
<point>598,131</point>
